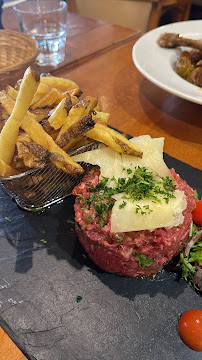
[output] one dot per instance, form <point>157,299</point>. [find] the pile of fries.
<point>44,118</point>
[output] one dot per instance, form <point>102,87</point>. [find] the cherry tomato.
<point>197,213</point>
<point>190,329</point>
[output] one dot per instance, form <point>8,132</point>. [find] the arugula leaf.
<point>188,265</point>
<point>196,253</point>
<point>187,270</point>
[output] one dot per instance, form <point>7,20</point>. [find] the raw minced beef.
<point>134,253</point>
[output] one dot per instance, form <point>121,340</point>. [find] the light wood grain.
<point>8,349</point>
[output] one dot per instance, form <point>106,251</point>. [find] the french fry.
<point>63,95</point>
<point>73,144</point>
<point>75,92</point>
<point>100,117</point>
<point>58,115</point>
<point>2,122</point>
<point>42,90</point>
<point>37,134</point>
<point>98,107</point>
<point>49,99</point>
<point>83,108</point>
<point>49,129</point>
<point>74,99</point>
<point>92,102</point>
<point>10,130</point>
<point>13,93</point>
<point>23,136</point>
<point>66,123</point>
<point>40,114</point>
<point>3,117</point>
<point>79,128</point>
<point>79,143</point>
<point>17,161</point>
<point>113,139</point>
<point>32,154</point>
<point>59,83</point>
<point>6,170</point>
<point>17,85</point>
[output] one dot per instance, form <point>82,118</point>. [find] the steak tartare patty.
<point>134,253</point>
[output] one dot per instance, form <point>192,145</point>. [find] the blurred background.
<point>136,14</point>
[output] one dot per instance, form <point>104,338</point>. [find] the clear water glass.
<point>46,22</point>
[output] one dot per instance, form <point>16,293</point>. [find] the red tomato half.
<point>190,329</point>
<point>197,213</point>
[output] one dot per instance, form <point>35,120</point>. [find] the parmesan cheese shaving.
<point>112,163</point>
<point>155,215</point>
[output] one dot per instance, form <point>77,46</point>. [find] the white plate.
<point>157,64</point>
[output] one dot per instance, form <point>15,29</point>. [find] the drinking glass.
<point>46,22</point>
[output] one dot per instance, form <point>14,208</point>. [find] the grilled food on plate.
<point>189,63</point>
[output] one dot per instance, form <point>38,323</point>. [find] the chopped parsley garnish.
<point>122,205</point>
<point>102,207</point>
<point>144,260</point>
<point>78,298</point>
<point>7,219</point>
<point>144,184</point>
<point>144,211</point>
<point>43,241</point>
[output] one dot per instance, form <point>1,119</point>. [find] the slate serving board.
<point>44,268</point>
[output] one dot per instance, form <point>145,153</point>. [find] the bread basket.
<point>18,51</point>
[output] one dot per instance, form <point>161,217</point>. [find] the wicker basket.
<point>18,51</point>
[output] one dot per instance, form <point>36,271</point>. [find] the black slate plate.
<point>43,270</point>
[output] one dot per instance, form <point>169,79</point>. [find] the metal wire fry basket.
<point>37,189</point>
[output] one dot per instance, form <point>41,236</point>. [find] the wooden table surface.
<point>8,349</point>
<point>99,59</point>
